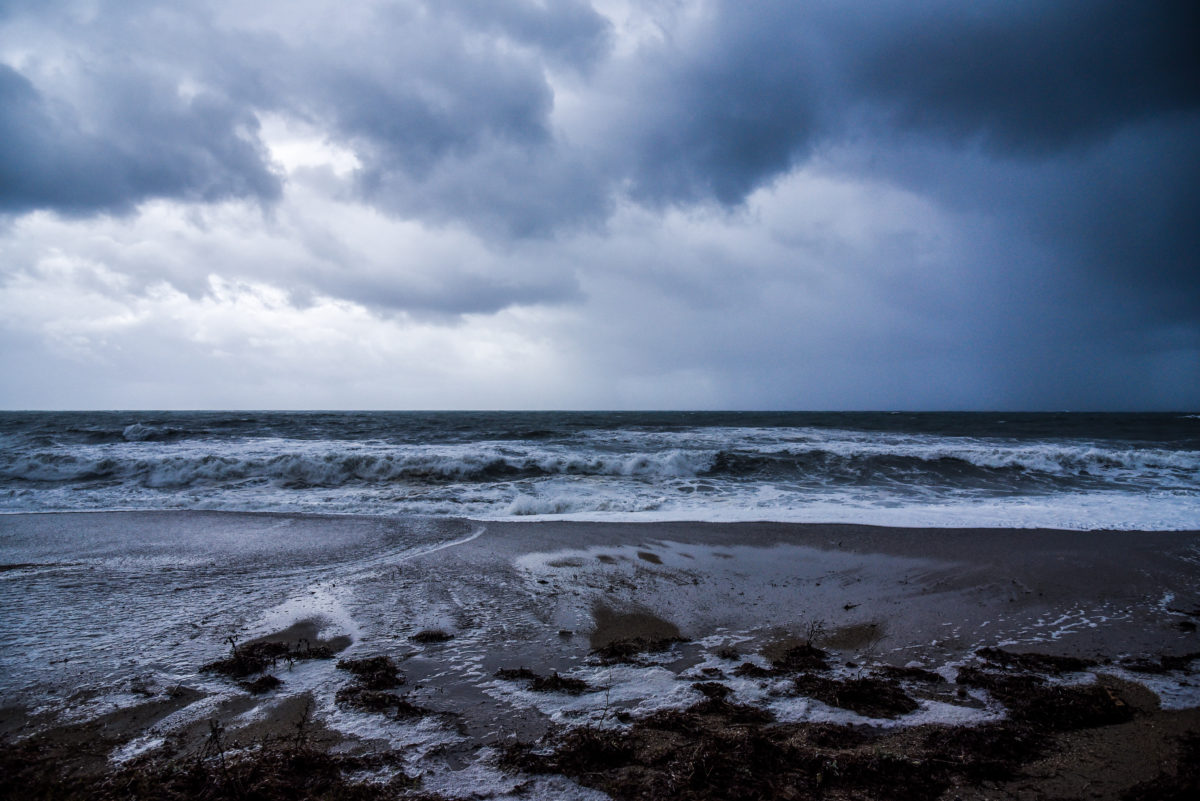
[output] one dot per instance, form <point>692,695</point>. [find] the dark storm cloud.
<point>449,108</point>
<point>717,121</point>
<point>148,143</point>
<point>1031,77</point>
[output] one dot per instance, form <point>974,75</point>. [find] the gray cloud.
<point>1056,139</point>
<point>568,32</point>
<point>149,144</point>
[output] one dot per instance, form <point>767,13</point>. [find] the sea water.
<point>1078,471</point>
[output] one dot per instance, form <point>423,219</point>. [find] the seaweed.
<point>263,684</point>
<point>752,671</point>
<point>258,656</point>
<point>1164,663</point>
<point>552,683</point>
<point>557,683</point>
<point>1054,708</point>
<point>910,674</point>
<point>515,674</point>
<point>988,752</point>
<point>279,769</point>
<point>871,697</point>
<point>431,636</point>
<point>1041,663</point>
<point>711,751</point>
<point>628,649</point>
<point>397,707</point>
<point>375,672</point>
<point>800,658</point>
<point>712,689</point>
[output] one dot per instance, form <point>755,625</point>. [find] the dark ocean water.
<point>998,469</point>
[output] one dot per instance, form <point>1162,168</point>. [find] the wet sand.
<point>110,618</point>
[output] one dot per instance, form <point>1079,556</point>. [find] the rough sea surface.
<point>1068,470</point>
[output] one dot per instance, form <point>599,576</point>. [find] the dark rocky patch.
<point>431,636</point>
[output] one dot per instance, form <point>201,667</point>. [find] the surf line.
<point>393,559</point>
<point>476,534</point>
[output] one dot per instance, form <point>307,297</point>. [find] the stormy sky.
<point>610,204</point>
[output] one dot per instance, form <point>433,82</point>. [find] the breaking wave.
<point>496,466</point>
<point>338,464</point>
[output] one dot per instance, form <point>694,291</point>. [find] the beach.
<point>507,636</point>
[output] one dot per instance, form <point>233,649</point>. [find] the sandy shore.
<point>507,640</point>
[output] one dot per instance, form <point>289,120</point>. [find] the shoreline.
<point>614,624</point>
<point>941,517</point>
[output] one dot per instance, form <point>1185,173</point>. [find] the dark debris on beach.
<point>628,649</point>
<point>371,690</point>
<point>716,750</point>
<point>259,656</point>
<point>719,749</point>
<point>546,684</point>
<point>281,769</point>
<point>375,672</point>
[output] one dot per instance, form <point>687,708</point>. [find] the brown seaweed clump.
<point>1163,664</point>
<point>280,769</point>
<point>721,750</point>
<point>546,684</point>
<point>628,649</point>
<point>263,684</point>
<point>1051,707</point>
<point>375,677</point>
<point>716,751</point>
<point>800,658</point>
<point>259,656</point>
<point>870,697</point>
<point>382,702</point>
<point>374,673</point>
<point>1040,663</point>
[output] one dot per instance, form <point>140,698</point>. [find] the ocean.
<point>1064,470</point>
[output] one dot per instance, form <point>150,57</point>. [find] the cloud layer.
<point>683,203</point>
